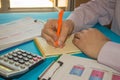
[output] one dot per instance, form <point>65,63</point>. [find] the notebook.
<point>19,31</point>
<point>48,50</point>
<point>69,67</point>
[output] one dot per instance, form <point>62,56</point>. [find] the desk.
<point>30,46</point>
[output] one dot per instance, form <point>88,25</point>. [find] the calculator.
<point>18,62</point>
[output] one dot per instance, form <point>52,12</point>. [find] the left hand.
<point>90,41</point>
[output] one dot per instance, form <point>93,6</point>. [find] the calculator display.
<point>5,68</point>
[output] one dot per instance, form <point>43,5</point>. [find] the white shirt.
<point>103,12</point>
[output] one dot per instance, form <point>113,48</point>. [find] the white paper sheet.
<point>19,31</point>
<point>78,68</point>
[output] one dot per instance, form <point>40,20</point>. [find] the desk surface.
<point>30,46</point>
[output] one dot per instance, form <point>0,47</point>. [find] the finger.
<point>78,35</point>
<point>63,35</point>
<point>84,31</point>
<point>51,28</point>
<point>76,41</point>
<point>51,33</point>
<point>49,40</point>
<point>52,22</point>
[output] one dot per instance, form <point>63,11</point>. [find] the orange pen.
<point>59,25</point>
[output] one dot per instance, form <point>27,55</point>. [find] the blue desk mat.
<point>30,45</point>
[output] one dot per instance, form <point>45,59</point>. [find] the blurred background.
<point>38,5</point>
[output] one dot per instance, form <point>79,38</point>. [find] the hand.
<point>90,41</point>
<point>50,29</point>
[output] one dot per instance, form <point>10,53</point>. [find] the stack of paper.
<point>19,31</point>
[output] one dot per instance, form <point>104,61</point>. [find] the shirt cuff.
<point>110,55</point>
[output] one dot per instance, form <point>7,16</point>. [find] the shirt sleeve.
<point>110,55</point>
<point>88,14</point>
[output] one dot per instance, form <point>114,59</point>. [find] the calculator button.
<point>10,53</point>
<point>21,61</point>
<point>29,56</point>
<point>31,61</point>
<point>35,59</point>
<point>11,62</point>
<point>22,51</point>
<point>27,64</point>
<point>5,55</point>
<point>15,59</point>
<point>20,57</point>
<point>28,53</point>
<point>5,59</point>
<point>17,64</point>
<point>19,53</point>
<point>24,54</point>
<point>25,59</point>
<point>39,57</point>
<point>34,55</point>
<point>15,55</point>
<point>22,67</point>
<point>10,57</point>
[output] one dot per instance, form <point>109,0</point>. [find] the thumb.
<point>63,35</point>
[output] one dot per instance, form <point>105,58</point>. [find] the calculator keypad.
<point>21,59</point>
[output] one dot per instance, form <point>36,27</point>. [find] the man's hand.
<point>90,41</point>
<point>50,29</point>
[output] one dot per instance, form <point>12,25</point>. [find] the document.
<point>19,31</point>
<point>69,67</point>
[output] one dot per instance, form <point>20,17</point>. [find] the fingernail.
<point>60,43</point>
<point>55,38</point>
<point>56,43</point>
<point>61,46</point>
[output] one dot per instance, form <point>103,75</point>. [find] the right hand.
<point>50,29</point>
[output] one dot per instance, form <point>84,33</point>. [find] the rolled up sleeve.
<point>110,55</point>
<point>88,14</point>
